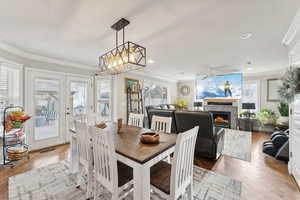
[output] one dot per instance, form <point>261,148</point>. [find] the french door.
<point>45,101</point>
<point>53,100</point>
<point>79,99</point>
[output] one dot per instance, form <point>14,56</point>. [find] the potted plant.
<point>283,109</point>
<point>181,104</point>
<point>267,117</point>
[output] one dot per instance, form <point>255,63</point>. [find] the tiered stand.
<point>13,141</point>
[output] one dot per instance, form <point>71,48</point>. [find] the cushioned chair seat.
<point>125,174</point>
<point>279,140</point>
<point>160,176</point>
<point>270,150</point>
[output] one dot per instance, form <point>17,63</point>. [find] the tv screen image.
<point>226,86</point>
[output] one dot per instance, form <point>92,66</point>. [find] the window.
<point>103,98</point>
<point>10,86</point>
<point>251,93</point>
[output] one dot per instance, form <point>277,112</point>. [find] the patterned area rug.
<point>54,182</point>
<point>237,144</point>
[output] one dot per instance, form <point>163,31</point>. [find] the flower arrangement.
<point>181,104</point>
<point>267,116</point>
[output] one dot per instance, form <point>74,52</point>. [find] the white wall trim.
<point>16,51</point>
<point>293,30</point>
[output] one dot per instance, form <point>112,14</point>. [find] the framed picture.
<point>273,85</point>
<point>131,83</point>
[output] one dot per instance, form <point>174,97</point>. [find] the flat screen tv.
<point>227,86</point>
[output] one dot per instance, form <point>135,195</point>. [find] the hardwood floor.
<point>263,178</point>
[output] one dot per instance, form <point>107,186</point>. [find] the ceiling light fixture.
<point>249,68</point>
<point>150,61</point>
<point>246,36</point>
<point>125,57</point>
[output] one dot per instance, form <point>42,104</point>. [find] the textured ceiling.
<point>189,36</point>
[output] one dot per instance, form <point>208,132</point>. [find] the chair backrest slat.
<point>91,118</point>
<point>183,161</point>
<point>159,123</point>
<point>105,162</point>
<point>136,120</point>
<point>83,142</point>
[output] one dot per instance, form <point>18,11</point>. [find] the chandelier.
<point>125,57</point>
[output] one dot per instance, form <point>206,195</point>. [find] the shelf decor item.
<point>13,137</point>
<point>125,57</point>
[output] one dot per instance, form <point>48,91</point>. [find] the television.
<point>227,86</point>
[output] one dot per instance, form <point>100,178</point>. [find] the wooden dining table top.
<point>127,143</point>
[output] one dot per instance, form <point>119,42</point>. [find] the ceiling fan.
<point>216,71</point>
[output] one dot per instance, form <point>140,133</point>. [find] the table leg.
<point>74,156</point>
<point>141,181</point>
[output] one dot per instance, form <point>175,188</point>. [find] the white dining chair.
<point>113,175</point>
<point>163,124</point>
<point>85,155</point>
<point>136,120</point>
<point>90,119</point>
<point>173,181</point>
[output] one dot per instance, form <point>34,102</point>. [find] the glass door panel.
<point>79,97</point>
<point>47,106</point>
<point>103,98</point>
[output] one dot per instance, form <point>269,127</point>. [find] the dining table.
<point>130,151</point>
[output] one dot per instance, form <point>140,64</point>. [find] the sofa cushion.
<point>187,120</point>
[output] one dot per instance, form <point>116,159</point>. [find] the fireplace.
<point>221,119</point>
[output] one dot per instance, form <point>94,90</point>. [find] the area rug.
<point>237,144</point>
<point>55,182</point>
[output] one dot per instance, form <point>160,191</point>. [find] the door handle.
<point>67,113</point>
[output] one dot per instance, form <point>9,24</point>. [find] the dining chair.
<point>172,181</point>
<point>136,120</point>
<point>159,123</point>
<point>110,173</point>
<point>85,155</point>
<point>90,119</point>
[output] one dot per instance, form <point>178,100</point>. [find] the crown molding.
<point>18,52</point>
<point>153,75</point>
<point>293,30</point>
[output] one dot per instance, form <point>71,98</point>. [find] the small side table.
<point>246,124</point>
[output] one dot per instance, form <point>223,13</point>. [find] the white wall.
<point>120,102</point>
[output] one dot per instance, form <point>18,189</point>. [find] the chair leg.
<point>190,192</point>
<point>78,177</point>
<point>114,196</point>
<point>89,192</point>
<point>95,190</point>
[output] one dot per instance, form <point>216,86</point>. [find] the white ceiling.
<point>180,35</point>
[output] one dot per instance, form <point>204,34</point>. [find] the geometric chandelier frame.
<point>125,57</point>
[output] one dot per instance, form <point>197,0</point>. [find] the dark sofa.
<point>210,139</point>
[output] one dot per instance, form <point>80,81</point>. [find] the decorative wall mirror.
<point>185,90</point>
